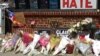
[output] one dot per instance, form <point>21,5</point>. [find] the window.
<point>43,4</point>
<point>22,4</point>
<point>33,4</point>
<point>53,4</point>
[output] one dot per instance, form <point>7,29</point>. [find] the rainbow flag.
<point>11,16</point>
<point>13,19</point>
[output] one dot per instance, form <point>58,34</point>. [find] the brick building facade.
<point>58,19</point>
<point>48,15</point>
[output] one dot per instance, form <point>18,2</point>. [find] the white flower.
<point>89,20</point>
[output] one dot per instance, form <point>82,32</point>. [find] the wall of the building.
<point>45,22</point>
<point>63,22</point>
<point>42,23</point>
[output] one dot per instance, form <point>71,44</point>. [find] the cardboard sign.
<point>78,4</point>
<point>61,32</point>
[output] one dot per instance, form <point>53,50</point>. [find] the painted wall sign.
<point>78,4</point>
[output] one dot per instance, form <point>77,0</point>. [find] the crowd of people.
<point>36,43</point>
